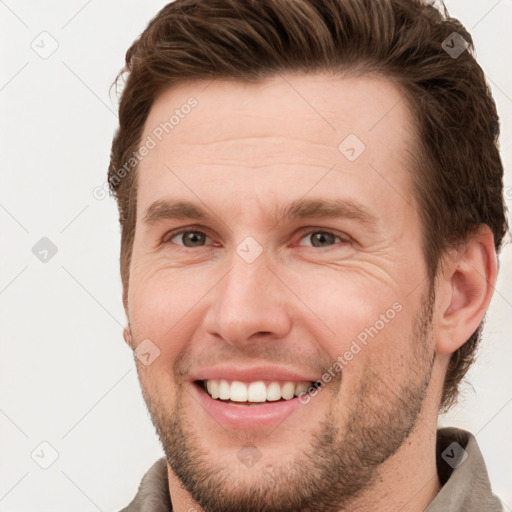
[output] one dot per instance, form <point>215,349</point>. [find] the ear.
<point>465,287</point>
<point>127,335</point>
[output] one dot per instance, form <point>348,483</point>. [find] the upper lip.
<point>268,372</point>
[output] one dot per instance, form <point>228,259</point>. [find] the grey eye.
<point>190,238</point>
<point>321,238</point>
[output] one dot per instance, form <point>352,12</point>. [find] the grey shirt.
<point>460,467</point>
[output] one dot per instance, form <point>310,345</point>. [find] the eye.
<point>321,238</point>
<point>188,238</point>
<point>191,238</point>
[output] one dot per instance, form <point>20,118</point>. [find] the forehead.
<point>282,130</point>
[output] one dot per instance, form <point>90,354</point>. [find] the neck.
<point>408,481</point>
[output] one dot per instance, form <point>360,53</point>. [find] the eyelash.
<point>171,234</point>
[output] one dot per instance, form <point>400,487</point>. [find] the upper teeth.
<point>255,391</point>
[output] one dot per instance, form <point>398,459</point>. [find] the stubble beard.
<point>339,467</point>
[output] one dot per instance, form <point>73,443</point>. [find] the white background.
<point>66,376</point>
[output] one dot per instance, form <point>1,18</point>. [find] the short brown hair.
<point>457,174</point>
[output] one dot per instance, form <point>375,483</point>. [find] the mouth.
<point>257,393</point>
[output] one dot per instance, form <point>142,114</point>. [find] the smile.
<point>254,393</point>
<point>242,397</point>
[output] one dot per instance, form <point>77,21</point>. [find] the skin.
<point>367,440</point>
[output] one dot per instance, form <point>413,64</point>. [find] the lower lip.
<point>237,416</point>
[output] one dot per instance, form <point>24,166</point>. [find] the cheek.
<point>163,306</point>
<point>372,323</point>
<point>347,301</point>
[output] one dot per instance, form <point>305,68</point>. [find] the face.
<point>278,245</point>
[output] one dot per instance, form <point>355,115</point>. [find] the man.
<point>310,196</point>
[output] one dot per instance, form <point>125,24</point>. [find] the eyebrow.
<point>299,209</point>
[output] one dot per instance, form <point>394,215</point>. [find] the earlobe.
<point>467,285</point>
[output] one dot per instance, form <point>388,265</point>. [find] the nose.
<point>249,303</point>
